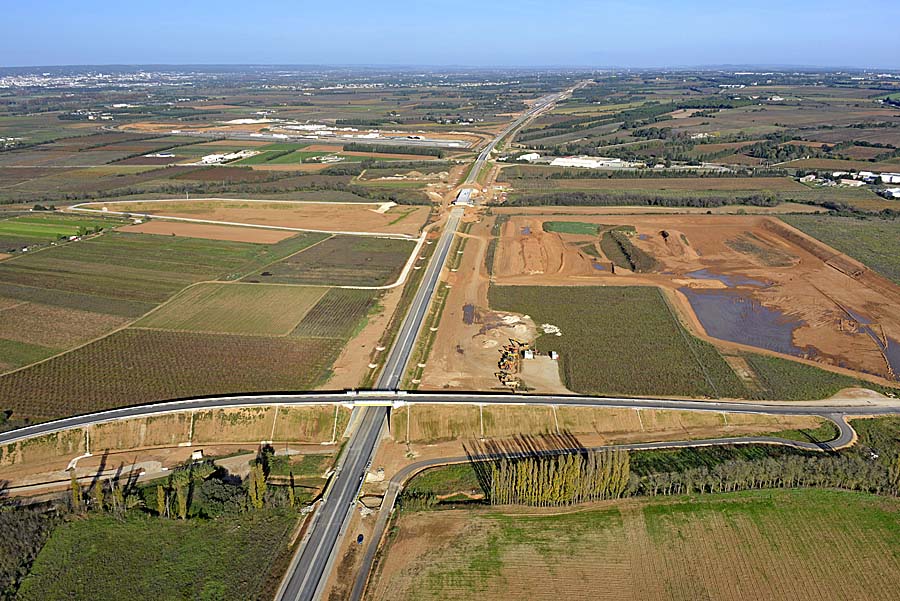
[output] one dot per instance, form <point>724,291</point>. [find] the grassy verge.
<point>393,327</point>
<point>426,339</point>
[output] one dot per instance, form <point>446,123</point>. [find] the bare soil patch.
<point>349,217</point>
<point>210,231</point>
<point>760,262</point>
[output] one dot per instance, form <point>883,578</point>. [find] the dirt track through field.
<point>322,216</point>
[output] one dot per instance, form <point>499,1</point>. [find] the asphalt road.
<point>310,567</point>
<point>541,104</point>
<point>858,407</point>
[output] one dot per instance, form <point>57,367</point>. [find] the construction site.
<point>743,283</point>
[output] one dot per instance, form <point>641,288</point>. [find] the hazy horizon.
<point>504,34</point>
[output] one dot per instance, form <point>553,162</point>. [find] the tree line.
<point>555,480</point>
<point>580,198</point>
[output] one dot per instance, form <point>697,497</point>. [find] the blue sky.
<point>462,32</point>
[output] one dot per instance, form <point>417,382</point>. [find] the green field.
<point>15,354</point>
<point>39,228</point>
<point>342,261</point>
<point>139,366</point>
<point>874,242</point>
<point>572,227</point>
<point>338,314</point>
<point>740,546</point>
<point>627,341</point>
<point>142,267</point>
<point>236,309</point>
<point>147,558</point>
<point>620,340</point>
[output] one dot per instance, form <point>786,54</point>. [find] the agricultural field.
<point>141,267</point>
<point>683,547</point>
<point>58,298</point>
<point>729,278</point>
<point>717,184</point>
<point>319,214</point>
<point>338,314</point>
<point>874,242</point>
<point>229,557</point>
<point>235,308</point>
<point>552,186</point>
<point>41,229</point>
<point>341,261</point>
<point>653,354</point>
<point>139,366</point>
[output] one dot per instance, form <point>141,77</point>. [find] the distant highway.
<point>543,103</point>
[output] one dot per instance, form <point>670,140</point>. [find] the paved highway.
<point>854,407</point>
<point>310,567</point>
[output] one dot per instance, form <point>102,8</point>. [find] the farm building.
<point>892,193</point>
<point>529,157</point>
<point>852,183</point>
<point>890,178</point>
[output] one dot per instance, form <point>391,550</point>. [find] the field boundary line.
<point>686,337</point>
<point>80,207</point>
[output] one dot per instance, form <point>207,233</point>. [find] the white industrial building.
<point>592,163</point>
<point>529,157</point>
<point>214,159</point>
<point>893,193</point>
<point>890,178</point>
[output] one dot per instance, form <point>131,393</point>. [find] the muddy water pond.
<point>728,280</point>
<point>729,315</point>
<point>888,346</point>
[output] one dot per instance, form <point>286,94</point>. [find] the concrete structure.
<point>852,183</point>
<point>529,157</point>
<point>592,163</point>
<point>215,159</point>
<point>464,198</point>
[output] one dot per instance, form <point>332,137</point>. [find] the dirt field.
<point>591,426</point>
<point>739,547</point>
<point>348,217</point>
<point>163,440</point>
<point>743,282</point>
<point>209,231</point>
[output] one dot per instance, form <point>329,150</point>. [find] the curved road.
<point>845,437</point>
<point>829,411</point>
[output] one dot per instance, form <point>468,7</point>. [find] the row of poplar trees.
<point>546,481</point>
